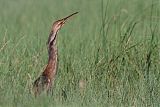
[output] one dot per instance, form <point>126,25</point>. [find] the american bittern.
<point>46,80</point>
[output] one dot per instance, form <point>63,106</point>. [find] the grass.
<point>111,46</point>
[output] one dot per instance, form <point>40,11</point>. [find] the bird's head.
<point>59,23</point>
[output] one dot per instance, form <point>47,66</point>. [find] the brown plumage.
<point>46,80</point>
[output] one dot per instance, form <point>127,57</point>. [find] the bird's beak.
<point>66,18</point>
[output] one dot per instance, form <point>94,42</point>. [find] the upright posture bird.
<point>46,80</point>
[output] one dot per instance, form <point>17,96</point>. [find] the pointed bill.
<point>66,18</point>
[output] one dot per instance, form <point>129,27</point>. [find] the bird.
<point>45,81</point>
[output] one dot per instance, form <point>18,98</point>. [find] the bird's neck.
<point>52,54</point>
<point>51,68</point>
<point>52,46</point>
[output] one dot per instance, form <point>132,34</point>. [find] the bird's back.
<point>41,84</point>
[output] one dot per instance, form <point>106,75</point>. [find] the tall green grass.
<point>111,46</point>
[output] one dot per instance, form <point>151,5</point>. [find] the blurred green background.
<point>109,54</point>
